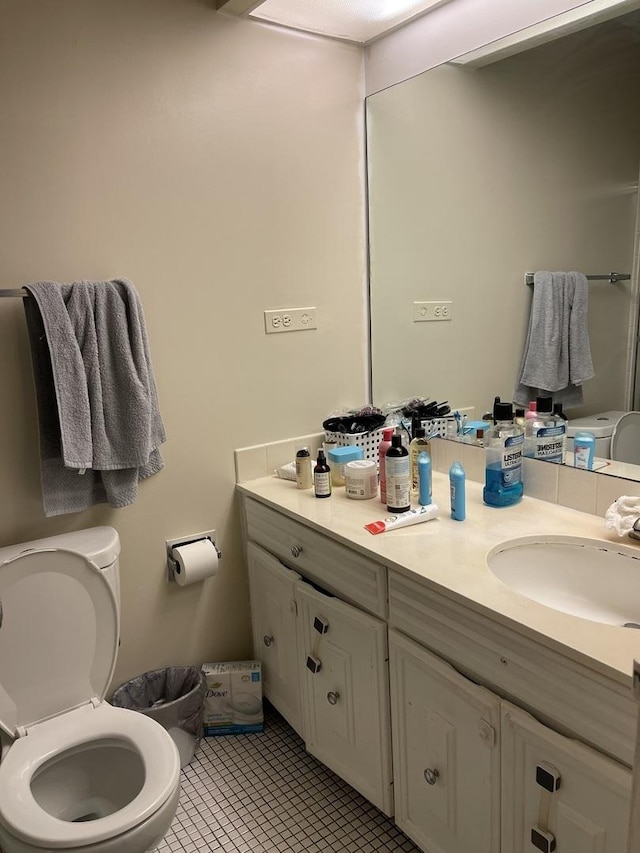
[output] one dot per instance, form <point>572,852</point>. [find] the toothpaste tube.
<point>404,519</point>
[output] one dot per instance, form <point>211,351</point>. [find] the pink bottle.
<point>384,445</point>
<point>532,411</point>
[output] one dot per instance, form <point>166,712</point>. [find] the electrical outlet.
<point>289,320</point>
<point>427,311</point>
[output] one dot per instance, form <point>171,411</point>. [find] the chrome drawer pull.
<point>267,640</point>
<point>431,776</point>
<point>296,550</point>
<point>333,697</point>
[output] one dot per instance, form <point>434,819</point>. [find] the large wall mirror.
<point>479,174</point>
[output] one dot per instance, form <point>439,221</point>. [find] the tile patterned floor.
<point>263,793</point>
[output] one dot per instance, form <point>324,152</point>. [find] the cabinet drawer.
<point>563,693</point>
<point>332,566</point>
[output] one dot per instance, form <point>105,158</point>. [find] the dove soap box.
<point>233,698</point>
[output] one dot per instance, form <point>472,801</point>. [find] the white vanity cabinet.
<point>320,632</point>
<point>481,715</point>
<point>446,753</point>
<point>588,812</point>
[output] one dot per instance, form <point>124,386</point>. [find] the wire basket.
<point>368,441</point>
<point>437,427</point>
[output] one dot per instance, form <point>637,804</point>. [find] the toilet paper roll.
<point>195,561</point>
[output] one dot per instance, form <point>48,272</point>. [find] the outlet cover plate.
<point>290,320</point>
<point>424,312</point>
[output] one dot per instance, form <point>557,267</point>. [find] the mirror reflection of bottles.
<point>545,434</point>
<point>584,445</point>
<point>503,458</point>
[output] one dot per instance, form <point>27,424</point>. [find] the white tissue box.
<point>233,699</point>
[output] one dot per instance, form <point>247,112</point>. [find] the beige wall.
<point>218,164</point>
<point>480,176</point>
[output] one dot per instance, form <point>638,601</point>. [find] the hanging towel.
<point>557,355</point>
<point>96,394</point>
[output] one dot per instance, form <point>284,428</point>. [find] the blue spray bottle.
<point>457,489</point>
<point>424,478</point>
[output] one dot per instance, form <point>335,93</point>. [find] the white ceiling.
<point>354,20</point>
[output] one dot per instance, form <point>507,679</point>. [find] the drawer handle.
<point>543,840</point>
<point>296,550</point>
<point>333,697</point>
<point>267,640</point>
<point>314,665</point>
<point>431,776</point>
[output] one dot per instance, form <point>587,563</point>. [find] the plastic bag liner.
<point>174,697</point>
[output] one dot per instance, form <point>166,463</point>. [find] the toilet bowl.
<point>625,441</point>
<point>602,425</point>
<point>79,774</point>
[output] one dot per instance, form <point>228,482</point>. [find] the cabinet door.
<point>346,701</point>
<point>275,638</point>
<point>589,811</point>
<point>446,753</point>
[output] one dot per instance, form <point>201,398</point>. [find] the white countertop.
<point>451,555</point>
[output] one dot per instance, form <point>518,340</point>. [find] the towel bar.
<point>19,291</point>
<point>611,277</point>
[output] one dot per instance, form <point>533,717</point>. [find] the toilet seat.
<point>59,627</point>
<point>21,814</point>
<point>625,440</point>
<point>59,636</point>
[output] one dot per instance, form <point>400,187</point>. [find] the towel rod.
<point>611,277</point>
<point>19,291</point>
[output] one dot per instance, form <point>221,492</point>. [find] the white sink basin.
<point>589,578</point>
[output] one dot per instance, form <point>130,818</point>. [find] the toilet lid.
<point>58,635</point>
<point>625,441</point>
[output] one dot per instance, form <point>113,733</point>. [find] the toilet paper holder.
<point>186,540</point>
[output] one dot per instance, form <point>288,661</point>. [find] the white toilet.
<point>602,425</point>
<point>77,774</point>
<point>625,441</point>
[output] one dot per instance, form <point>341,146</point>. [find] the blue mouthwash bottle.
<point>503,444</point>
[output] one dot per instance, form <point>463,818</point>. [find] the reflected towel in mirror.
<point>557,354</point>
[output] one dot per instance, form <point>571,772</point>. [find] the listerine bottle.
<point>503,444</point>
<point>545,435</point>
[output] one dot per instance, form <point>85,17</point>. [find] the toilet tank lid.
<point>101,545</point>
<point>601,424</point>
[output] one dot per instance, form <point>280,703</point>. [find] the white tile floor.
<point>263,793</point>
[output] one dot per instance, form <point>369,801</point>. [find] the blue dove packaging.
<point>233,698</point>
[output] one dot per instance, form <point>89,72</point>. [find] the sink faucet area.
<point>589,578</point>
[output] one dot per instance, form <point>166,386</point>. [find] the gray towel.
<point>557,355</point>
<point>96,394</point>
